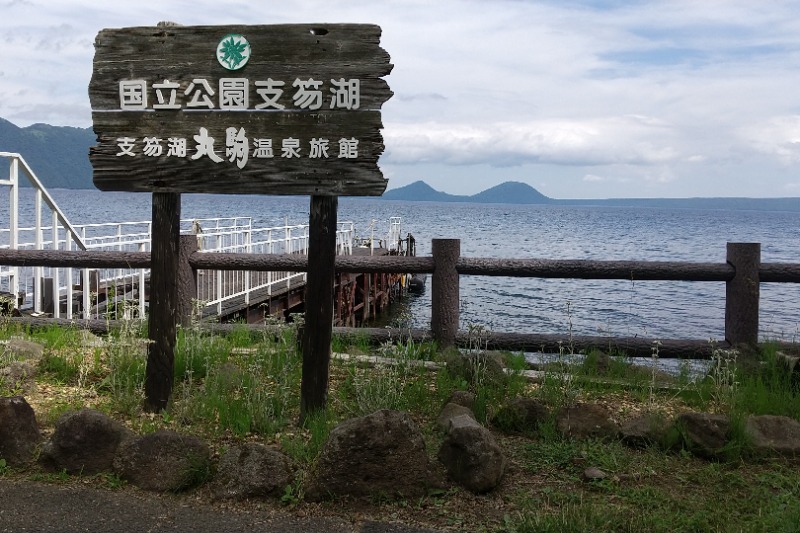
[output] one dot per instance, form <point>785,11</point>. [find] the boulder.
<point>704,434</point>
<point>19,364</point>
<point>593,474</point>
<point>586,421</point>
<point>450,411</point>
<point>774,435</point>
<point>381,454</point>
<point>84,442</point>
<point>487,367</point>
<point>19,433</point>
<point>463,398</point>
<point>644,430</point>
<point>24,350</point>
<point>521,415</point>
<point>252,470</point>
<point>471,455</point>
<point>164,461</point>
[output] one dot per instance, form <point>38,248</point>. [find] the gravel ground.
<point>35,507</point>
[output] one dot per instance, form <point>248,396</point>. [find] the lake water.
<point>654,309</point>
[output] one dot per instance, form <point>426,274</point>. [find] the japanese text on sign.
<point>237,147</point>
<point>235,94</point>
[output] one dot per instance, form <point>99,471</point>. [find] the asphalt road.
<point>34,507</point>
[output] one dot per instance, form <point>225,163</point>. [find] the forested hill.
<point>58,155</point>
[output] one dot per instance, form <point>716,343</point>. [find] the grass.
<point>245,387</point>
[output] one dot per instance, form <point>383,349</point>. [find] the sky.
<point>577,98</point>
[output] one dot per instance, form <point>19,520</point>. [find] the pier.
<point>229,295</point>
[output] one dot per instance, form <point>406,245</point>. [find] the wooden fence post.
<point>445,291</point>
<point>162,325</point>
<point>187,280</point>
<point>318,328</point>
<point>742,293</point>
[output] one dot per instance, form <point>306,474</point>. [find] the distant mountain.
<point>419,191</point>
<point>510,192</point>
<point>513,192</point>
<point>58,155</point>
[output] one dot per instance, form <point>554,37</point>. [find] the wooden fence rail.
<point>742,273</point>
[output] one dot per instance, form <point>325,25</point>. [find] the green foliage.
<point>51,477</point>
<point>304,446</point>
<point>111,481</point>
<point>244,385</point>
<point>292,493</point>
<point>770,389</point>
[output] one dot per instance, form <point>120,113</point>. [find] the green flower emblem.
<point>233,51</point>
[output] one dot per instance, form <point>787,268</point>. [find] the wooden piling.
<point>742,293</point>
<point>445,290</point>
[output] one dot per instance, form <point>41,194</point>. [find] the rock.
<point>381,454</point>
<point>644,430</point>
<point>252,470</point>
<point>774,435</point>
<point>19,433</point>
<point>24,350</point>
<point>18,377</point>
<point>462,421</point>
<point>472,457</point>
<point>450,411</point>
<point>463,398</point>
<point>704,434</point>
<point>164,461</point>
<point>594,474</point>
<point>84,442</point>
<point>487,367</point>
<point>586,421</point>
<point>521,415</point>
<point>21,365</point>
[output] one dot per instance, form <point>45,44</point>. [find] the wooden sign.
<point>283,109</point>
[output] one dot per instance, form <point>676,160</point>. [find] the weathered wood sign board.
<point>279,109</point>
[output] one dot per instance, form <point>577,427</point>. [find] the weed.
<point>112,481</point>
<point>723,377</point>
<point>293,493</point>
<point>61,476</point>
<point>654,369</point>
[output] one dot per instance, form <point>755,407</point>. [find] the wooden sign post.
<point>284,109</point>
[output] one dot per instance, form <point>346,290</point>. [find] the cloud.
<point>779,136</point>
<point>593,178</point>
<point>659,93</point>
<point>603,141</point>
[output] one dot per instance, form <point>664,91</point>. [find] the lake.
<point>655,309</point>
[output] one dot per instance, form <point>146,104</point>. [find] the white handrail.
<point>214,235</point>
<point>40,190</point>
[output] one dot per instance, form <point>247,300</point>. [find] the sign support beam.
<point>163,318</point>
<point>318,329</point>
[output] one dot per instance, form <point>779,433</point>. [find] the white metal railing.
<point>21,283</point>
<point>215,288</point>
<point>390,241</point>
<point>112,293</point>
